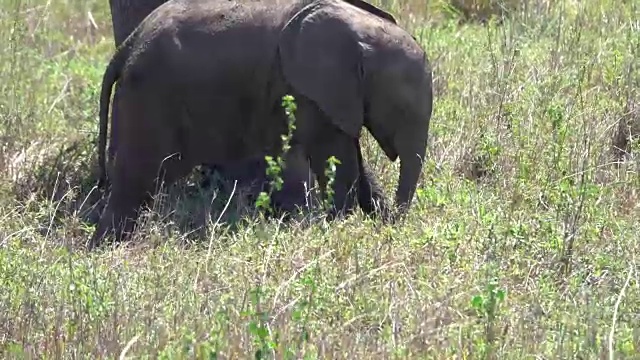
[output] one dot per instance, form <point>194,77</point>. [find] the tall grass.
<point>521,243</point>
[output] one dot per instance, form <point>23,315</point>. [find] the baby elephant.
<point>201,82</point>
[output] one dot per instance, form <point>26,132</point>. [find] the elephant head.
<point>362,70</point>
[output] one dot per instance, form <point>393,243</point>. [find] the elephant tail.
<point>111,75</point>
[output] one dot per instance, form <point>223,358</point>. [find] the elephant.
<point>220,68</point>
<point>126,15</point>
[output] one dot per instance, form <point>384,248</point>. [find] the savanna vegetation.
<point>521,242</point>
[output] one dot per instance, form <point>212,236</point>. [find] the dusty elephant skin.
<point>219,69</point>
<point>128,14</point>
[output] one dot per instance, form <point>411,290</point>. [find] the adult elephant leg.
<point>248,173</point>
<point>251,175</point>
<point>297,181</point>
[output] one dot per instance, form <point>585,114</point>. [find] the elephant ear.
<point>322,60</point>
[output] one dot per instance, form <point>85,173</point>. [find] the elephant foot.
<point>103,235</point>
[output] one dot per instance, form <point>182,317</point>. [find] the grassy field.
<point>521,243</point>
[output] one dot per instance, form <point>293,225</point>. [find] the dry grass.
<point>521,242</point>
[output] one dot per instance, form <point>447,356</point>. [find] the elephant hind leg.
<point>145,156</point>
<point>129,191</point>
<point>136,179</point>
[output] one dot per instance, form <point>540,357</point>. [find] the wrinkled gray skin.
<point>298,179</point>
<point>219,70</point>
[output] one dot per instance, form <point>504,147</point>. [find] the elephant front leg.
<point>370,195</point>
<point>327,142</point>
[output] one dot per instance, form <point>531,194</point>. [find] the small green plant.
<point>300,316</point>
<point>486,306</point>
<point>258,327</point>
<point>276,166</point>
<point>330,174</point>
<point>560,131</point>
